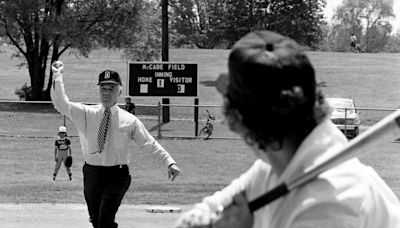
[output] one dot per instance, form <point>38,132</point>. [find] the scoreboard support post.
<point>159,121</point>
<point>165,110</point>
<point>196,116</point>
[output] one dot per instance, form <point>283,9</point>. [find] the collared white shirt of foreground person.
<point>272,101</point>
<point>351,195</point>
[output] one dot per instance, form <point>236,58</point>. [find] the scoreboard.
<point>162,79</point>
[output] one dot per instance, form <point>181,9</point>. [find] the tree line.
<point>43,30</point>
<point>369,20</point>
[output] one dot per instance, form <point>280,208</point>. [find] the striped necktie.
<point>105,123</point>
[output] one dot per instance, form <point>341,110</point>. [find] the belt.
<point>108,167</point>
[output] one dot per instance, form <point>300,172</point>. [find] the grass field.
<point>372,80</point>
<point>27,166</point>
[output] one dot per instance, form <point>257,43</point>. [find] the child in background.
<point>62,150</point>
<point>129,106</point>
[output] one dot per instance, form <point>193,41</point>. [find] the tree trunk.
<point>37,80</point>
<point>37,63</point>
<point>34,65</point>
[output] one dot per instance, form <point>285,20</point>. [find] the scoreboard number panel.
<point>160,83</point>
<point>181,88</point>
<point>163,79</point>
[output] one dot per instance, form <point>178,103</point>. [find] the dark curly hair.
<point>272,94</point>
<point>268,127</point>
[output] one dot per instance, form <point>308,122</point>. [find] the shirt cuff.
<point>59,78</point>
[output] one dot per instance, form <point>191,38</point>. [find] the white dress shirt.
<point>349,195</point>
<point>124,128</point>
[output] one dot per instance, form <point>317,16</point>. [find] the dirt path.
<point>76,216</point>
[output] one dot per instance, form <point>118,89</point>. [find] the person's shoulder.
<point>259,170</point>
<point>260,164</point>
<point>94,107</point>
<point>88,107</point>
<point>125,114</point>
<point>350,180</point>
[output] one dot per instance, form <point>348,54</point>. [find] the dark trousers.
<point>104,188</point>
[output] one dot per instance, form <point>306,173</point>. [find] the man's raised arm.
<point>58,95</point>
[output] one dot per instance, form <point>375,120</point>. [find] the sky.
<point>332,4</point>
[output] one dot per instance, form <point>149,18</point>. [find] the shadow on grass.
<point>209,83</point>
<point>155,128</point>
<point>28,107</point>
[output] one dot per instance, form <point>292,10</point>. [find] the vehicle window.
<point>341,105</point>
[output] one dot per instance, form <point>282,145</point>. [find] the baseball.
<point>57,67</point>
<point>57,64</point>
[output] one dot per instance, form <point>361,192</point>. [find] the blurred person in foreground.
<point>105,133</point>
<point>271,100</point>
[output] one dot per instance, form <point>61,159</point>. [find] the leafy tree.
<point>148,37</point>
<point>301,20</point>
<point>43,30</point>
<point>240,18</point>
<point>367,19</point>
<point>208,23</point>
<point>197,22</point>
<point>393,44</point>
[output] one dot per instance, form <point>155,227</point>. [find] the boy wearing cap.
<point>129,106</point>
<point>62,149</point>
<point>105,132</point>
<point>272,101</point>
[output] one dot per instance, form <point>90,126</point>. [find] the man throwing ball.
<point>105,132</point>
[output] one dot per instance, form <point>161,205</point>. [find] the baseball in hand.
<point>57,67</point>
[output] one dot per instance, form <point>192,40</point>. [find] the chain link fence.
<point>41,120</point>
<point>24,119</point>
<point>352,121</point>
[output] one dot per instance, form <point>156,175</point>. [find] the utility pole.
<point>164,41</point>
<point>164,53</point>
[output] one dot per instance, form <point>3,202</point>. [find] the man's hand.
<point>235,215</point>
<point>198,217</point>
<point>57,68</point>
<point>173,172</point>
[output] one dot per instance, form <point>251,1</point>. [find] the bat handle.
<point>268,197</point>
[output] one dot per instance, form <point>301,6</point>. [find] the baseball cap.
<point>261,65</point>
<point>109,76</point>
<point>62,129</point>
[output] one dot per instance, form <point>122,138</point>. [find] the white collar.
<point>323,141</point>
<point>113,108</point>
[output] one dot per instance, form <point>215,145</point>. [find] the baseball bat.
<point>384,130</point>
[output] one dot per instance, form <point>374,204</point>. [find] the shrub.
<point>24,93</point>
